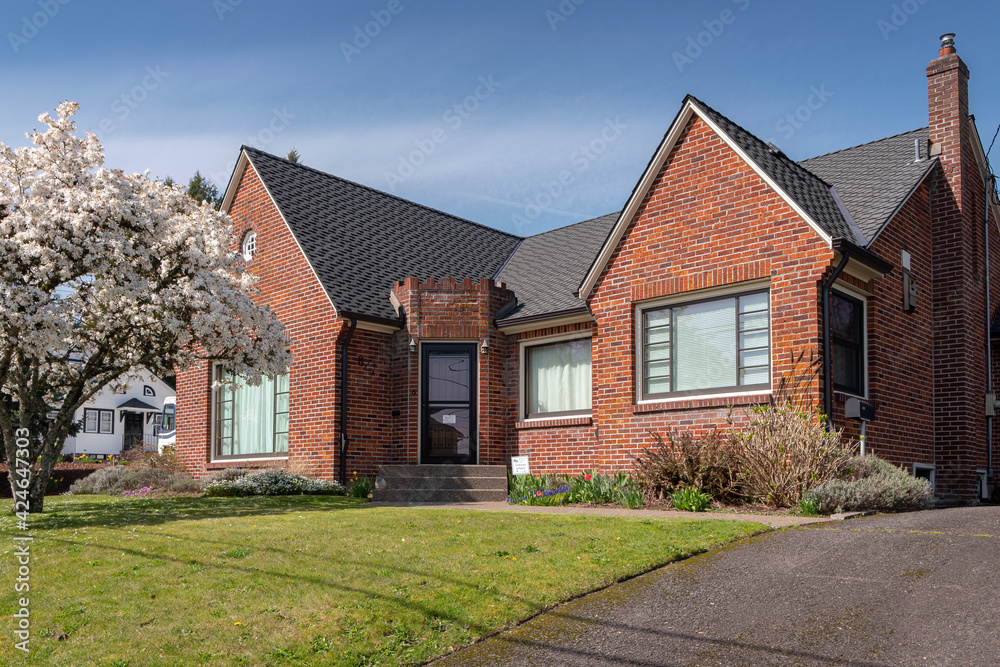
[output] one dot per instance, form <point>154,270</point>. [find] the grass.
<point>308,580</point>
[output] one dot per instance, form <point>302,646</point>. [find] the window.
<point>557,379</point>
<point>705,347</point>
<point>251,421</point>
<point>148,391</point>
<point>249,245</point>
<point>847,321</point>
<point>167,419</point>
<point>98,421</point>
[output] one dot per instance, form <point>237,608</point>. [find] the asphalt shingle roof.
<point>873,179</point>
<point>546,268</point>
<point>359,240</point>
<point>806,188</point>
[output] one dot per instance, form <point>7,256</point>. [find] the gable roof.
<point>546,268</point>
<point>360,240</point>
<point>876,178</point>
<point>812,197</point>
<point>807,189</point>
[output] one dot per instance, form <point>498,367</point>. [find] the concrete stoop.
<point>440,484</point>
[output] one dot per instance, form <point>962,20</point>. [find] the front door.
<point>132,431</point>
<point>448,403</point>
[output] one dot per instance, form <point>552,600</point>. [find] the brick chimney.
<point>948,108</point>
<point>958,291</point>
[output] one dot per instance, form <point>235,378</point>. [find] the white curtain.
<point>253,418</point>
<point>559,377</point>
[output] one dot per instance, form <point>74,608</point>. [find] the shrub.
<point>684,460</point>
<point>187,485</point>
<point>782,452</point>
<point>276,482</point>
<point>142,471</point>
<point>229,474</point>
<point>98,481</point>
<point>690,499</point>
<point>869,483</point>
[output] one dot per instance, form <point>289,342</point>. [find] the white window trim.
<point>249,235</point>
<point>213,457</point>
<point>929,467</point>
<point>853,292</point>
<point>522,368</point>
<point>720,292</point>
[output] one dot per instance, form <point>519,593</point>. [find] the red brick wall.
<point>707,221</point>
<point>959,296</point>
<point>900,344</point>
<point>288,285</point>
<point>450,309</point>
<point>565,444</point>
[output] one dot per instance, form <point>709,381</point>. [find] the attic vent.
<point>774,149</point>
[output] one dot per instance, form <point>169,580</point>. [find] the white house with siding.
<point>111,422</point>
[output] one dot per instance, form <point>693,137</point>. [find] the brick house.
<point>422,338</point>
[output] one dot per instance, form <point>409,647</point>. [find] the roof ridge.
<point>866,143</point>
<point>380,192</point>
<point>572,224</point>
<point>780,154</point>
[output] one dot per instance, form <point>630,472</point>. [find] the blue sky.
<point>478,108</point>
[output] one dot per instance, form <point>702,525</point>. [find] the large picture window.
<point>251,420</point>
<point>847,336</point>
<point>705,347</point>
<point>557,379</point>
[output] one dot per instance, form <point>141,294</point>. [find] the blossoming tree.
<point>103,274</point>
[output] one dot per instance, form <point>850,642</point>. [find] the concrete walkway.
<point>910,589</point>
<point>772,520</point>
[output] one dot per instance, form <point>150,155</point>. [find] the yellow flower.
<point>237,623</point>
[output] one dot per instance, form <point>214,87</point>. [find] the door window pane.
<point>447,377</point>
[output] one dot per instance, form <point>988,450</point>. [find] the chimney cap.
<point>947,44</point>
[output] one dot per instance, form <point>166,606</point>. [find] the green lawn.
<point>307,580</point>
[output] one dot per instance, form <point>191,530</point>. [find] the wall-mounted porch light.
<point>485,347</point>
<point>413,345</point>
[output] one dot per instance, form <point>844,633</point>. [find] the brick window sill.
<point>253,463</point>
<point>700,403</point>
<point>554,423</point>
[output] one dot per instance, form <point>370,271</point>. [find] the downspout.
<point>344,442</point>
<point>989,178</point>
<point>827,362</point>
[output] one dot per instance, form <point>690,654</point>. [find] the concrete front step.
<point>439,496</point>
<point>441,483</point>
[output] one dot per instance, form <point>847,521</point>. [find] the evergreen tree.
<point>201,189</point>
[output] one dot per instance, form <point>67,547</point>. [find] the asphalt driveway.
<point>911,589</point>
